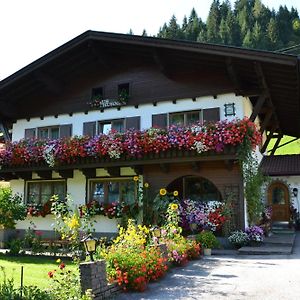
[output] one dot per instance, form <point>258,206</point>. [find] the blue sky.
<point>32,28</point>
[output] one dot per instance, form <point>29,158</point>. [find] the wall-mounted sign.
<point>106,103</point>
<point>229,109</point>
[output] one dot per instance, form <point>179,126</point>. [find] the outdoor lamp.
<point>295,192</point>
<point>89,243</point>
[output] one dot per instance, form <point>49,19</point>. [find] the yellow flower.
<point>136,178</point>
<point>175,193</point>
<point>162,192</point>
<point>146,185</point>
<point>173,206</point>
<point>58,261</point>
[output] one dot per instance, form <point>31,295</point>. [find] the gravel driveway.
<point>230,277</point>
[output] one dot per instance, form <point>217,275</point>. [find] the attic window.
<point>97,93</point>
<point>123,92</point>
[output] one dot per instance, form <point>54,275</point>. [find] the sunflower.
<point>162,192</point>
<point>174,206</point>
<point>175,193</point>
<point>136,178</point>
<point>146,185</point>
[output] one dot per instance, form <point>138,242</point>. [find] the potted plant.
<point>12,209</point>
<point>255,235</point>
<point>207,240</point>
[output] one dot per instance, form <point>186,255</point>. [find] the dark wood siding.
<point>89,128</point>
<point>211,114</point>
<point>160,120</point>
<point>133,123</point>
<point>65,130</point>
<point>30,133</point>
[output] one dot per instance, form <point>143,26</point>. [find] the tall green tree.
<point>213,22</point>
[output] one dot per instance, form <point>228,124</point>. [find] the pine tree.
<point>213,22</point>
<point>173,30</point>
<point>193,26</point>
<point>234,31</point>
<point>258,37</point>
<point>144,33</point>
<point>273,35</point>
<point>130,32</point>
<point>224,34</point>
<point>248,40</point>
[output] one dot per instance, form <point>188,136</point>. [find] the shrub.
<point>207,239</point>
<point>15,246</point>
<point>238,239</point>
<point>193,249</point>
<point>12,208</point>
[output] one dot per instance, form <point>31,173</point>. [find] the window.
<point>107,126</point>
<point>40,192</point>
<point>97,93</point>
<point>185,118</point>
<point>112,190</point>
<point>123,92</point>
<point>48,132</point>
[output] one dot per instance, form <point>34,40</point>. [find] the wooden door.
<point>278,198</point>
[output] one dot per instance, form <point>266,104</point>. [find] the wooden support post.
<point>276,144</point>
<point>265,145</point>
<point>5,132</point>
<point>266,120</point>
<point>258,105</point>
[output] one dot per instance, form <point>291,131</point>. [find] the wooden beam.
<point>258,105</point>
<point>89,173</point>
<point>276,144</point>
<point>266,120</point>
<point>266,143</point>
<point>45,174</point>
<point>26,175</point>
<point>284,144</point>
<point>66,173</point>
<point>113,171</point>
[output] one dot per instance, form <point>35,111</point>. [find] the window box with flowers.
<point>148,144</point>
<point>112,198</point>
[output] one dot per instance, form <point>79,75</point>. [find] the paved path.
<point>230,277</point>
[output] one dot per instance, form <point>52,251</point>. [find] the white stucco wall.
<point>145,111</point>
<point>76,188</point>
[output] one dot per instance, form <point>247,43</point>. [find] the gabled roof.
<point>280,72</point>
<point>281,165</point>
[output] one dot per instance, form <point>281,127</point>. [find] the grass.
<point>35,269</point>
<point>292,148</point>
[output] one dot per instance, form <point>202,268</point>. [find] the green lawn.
<point>292,148</point>
<point>35,269</point>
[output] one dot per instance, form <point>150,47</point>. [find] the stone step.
<point>266,250</point>
<point>283,231</point>
<point>280,239</point>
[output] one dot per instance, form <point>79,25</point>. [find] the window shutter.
<point>211,114</point>
<point>65,131</point>
<point>133,123</point>
<point>160,120</point>
<point>89,128</point>
<point>30,133</point>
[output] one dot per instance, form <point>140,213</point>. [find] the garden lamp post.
<point>89,243</point>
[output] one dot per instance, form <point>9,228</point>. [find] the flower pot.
<point>207,251</point>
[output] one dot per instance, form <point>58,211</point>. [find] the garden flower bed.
<point>133,144</point>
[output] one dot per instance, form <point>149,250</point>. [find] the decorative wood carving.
<point>69,173</point>
<point>45,174</point>
<point>113,171</point>
<point>89,173</point>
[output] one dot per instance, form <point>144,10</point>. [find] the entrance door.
<point>278,198</point>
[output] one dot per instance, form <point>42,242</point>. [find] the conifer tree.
<point>213,22</point>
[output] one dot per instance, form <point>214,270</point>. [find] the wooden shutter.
<point>30,133</point>
<point>65,131</point>
<point>211,114</point>
<point>133,123</point>
<point>89,128</point>
<point>160,120</point>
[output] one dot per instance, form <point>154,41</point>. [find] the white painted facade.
<point>76,186</point>
<point>145,111</point>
